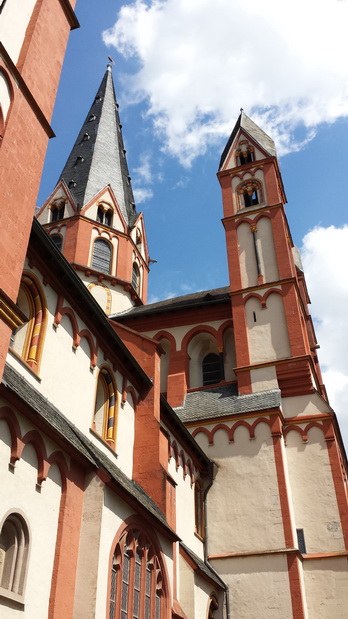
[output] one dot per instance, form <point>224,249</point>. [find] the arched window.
<point>14,546</point>
<point>104,420</point>
<point>57,240</point>
<point>250,193</point>
<point>213,606</point>
<point>199,506</point>
<point>101,259</point>
<point>136,278</point>
<point>211,369</point>
<point>27,340</point>
<point>136,579</point>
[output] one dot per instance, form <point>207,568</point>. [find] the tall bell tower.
<point>275,340</point>
<point>91,214</point>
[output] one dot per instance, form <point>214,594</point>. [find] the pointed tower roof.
<point>98,157</point>
<point>254,131</point>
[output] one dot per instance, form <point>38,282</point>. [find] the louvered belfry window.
<point>101,260</point>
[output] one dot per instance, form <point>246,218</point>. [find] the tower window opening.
<point>104,216</point>
<point>254,315</point>
<point>250,199</point>
<point>211,369</point>
<point>136,278</point>
<point>101,259</point>
<point>57,212</point>
<point>301,541</point>
<point>57,240</point>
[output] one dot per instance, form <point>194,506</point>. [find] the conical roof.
<point>98,157</point>
<point>254,131</point>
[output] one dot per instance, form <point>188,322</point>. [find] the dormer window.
<point>57,210</point>
<point>104,215</point>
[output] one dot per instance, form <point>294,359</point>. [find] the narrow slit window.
<point>301,541</point>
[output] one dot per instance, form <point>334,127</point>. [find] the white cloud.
<point>144,171</point>
<point>141,194</point>
<point>325,260</point>
<point>284,63</point>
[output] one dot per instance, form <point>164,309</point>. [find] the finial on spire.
<point>241,110</point>
<point>110,63</point>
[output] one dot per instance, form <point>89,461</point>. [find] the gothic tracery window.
<point>57,210</point>
<point>250,193</point>
<point>136,579</point>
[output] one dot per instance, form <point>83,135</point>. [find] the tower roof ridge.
<point>98,157</point>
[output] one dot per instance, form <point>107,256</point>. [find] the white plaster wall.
<point>268,335</point>
<point>13,24</point>
<point>40,509</point>
<point>229,355</point>
<point>120,300</point>
<point>240,516</point>
<point>258,586</point>
<point>304,405</point>
<point>179,332</point>
<point>310,478</point>
<point>125,435</point>
<point>66,380</point>
<point>5,97</point>
<point>202,593</point>
<point>263,379</point>
<point>265,245</point>
<point>185,508</point>
<point>100,292</point>
<point>326,583</point>
<point>247,258</point>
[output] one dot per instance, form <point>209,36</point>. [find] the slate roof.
<point>244,122</point>
<point>223,401</point>
<point>204,566</point>
<point>217,295</point>
<point>98,156</point>
<point>51,416</point>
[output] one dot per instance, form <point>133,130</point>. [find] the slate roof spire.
<point>98,157</point>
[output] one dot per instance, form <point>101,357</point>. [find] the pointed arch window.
<point>136,579</point>
<point>211,369</point>
<point>101,258</point>
<point>136,278</point>
<point>104,418</point>
<point>245,156</point>
<point>213,606</point>
<point>14,548</point>
<point>28,339</point>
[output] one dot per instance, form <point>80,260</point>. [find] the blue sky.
<point>181,75</point>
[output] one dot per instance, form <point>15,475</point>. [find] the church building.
<point>173,460</point>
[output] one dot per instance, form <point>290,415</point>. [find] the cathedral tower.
<point>275,340</point>
<point>91,214</point>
